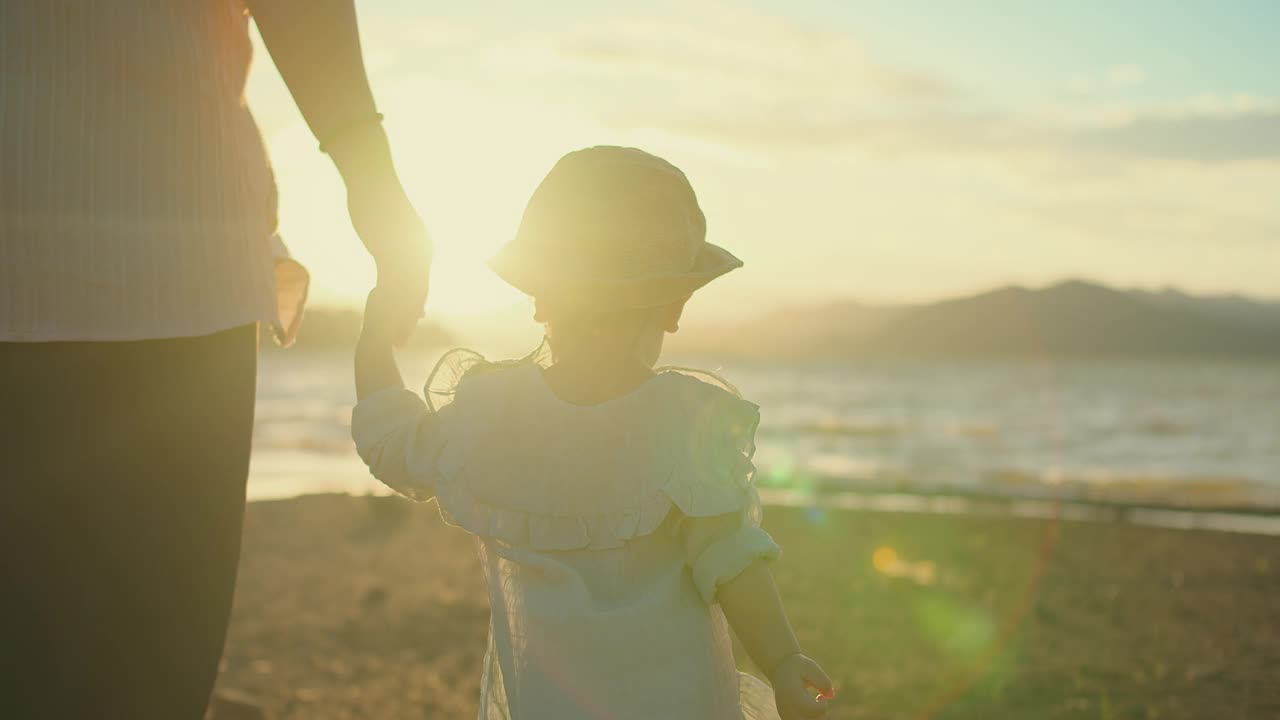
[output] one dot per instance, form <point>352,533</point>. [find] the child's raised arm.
<point>375,361</point>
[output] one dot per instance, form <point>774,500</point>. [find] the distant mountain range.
<point>1073,318</point>
<point>1070,318</point>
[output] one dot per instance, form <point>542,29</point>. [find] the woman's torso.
<point>135,193</point>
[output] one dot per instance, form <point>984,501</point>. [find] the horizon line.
<point>1266,299</point>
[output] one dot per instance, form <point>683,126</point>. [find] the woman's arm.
<point>316,47</point>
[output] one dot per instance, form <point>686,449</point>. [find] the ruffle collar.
<point>523,467</point>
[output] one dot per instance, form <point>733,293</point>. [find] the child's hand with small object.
<point>800,687</point>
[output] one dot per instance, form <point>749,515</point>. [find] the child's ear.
<point>672,314</point>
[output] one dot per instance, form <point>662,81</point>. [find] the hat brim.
<point>623,294</point>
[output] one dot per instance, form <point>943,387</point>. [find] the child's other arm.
<point>729,557</point>
<point>753,607</point>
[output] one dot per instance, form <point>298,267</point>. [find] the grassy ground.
<point>372,608</point>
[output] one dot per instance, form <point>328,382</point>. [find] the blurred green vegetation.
<point>1032,618</point>
<point>373,608</point>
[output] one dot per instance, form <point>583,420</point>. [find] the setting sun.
<point>873,171</point>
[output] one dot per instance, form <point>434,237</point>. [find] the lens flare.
<point>884,560</point>
<point>780,473</point>
<point>965,632</point>
<point>815,514</point>
<point>888,561</point>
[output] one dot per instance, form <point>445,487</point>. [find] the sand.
<point>373,608</point>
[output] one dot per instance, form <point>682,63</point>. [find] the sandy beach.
<point>354,607</point>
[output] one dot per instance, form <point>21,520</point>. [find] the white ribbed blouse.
<point>136,198</point>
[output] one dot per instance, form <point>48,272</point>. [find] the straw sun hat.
<point>612,228</point>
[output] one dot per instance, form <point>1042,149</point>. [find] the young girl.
<point>617,525</point>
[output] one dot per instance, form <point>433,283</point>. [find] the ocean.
<point>1195,434</point>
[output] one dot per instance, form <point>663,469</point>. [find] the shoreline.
<point>1250,520</point>
<point>278,479</point>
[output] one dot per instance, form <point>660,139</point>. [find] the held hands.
<point>383,321</point>
<point>388,225</point>
<point>390,228</point>
<point>801,688</point>
<point>375,359</point>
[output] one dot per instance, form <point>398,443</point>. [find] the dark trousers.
<point>122,479</point>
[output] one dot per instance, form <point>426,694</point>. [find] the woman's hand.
<point>395,235</point>
<point>386,223</point>
<point>801,688</point>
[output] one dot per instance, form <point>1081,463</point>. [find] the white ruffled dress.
<point>604,532</point>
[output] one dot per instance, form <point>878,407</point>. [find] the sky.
<point>844,149</point>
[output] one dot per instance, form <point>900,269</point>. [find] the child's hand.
<point>383,320</point>
<point>801,688</point>
<point>389,226</point>
<point>375,358</point>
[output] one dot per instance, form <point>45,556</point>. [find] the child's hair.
<point>569,331</point>
<point>462,364</point>
<point>578,331</point>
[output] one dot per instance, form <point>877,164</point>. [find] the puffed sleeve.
<point>400,440</point>
<point>713,489</point>
<point>719,548</point>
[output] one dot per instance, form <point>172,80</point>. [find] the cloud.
<point>1126,76</point>
<point>726,74</point>
<point>728,47</point>
<point>801,127</point>
<point>722,73</point>
<point>804,132</point>
<point>1203,138</point>
<point>1196,131</point>
<point>687,59</point>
